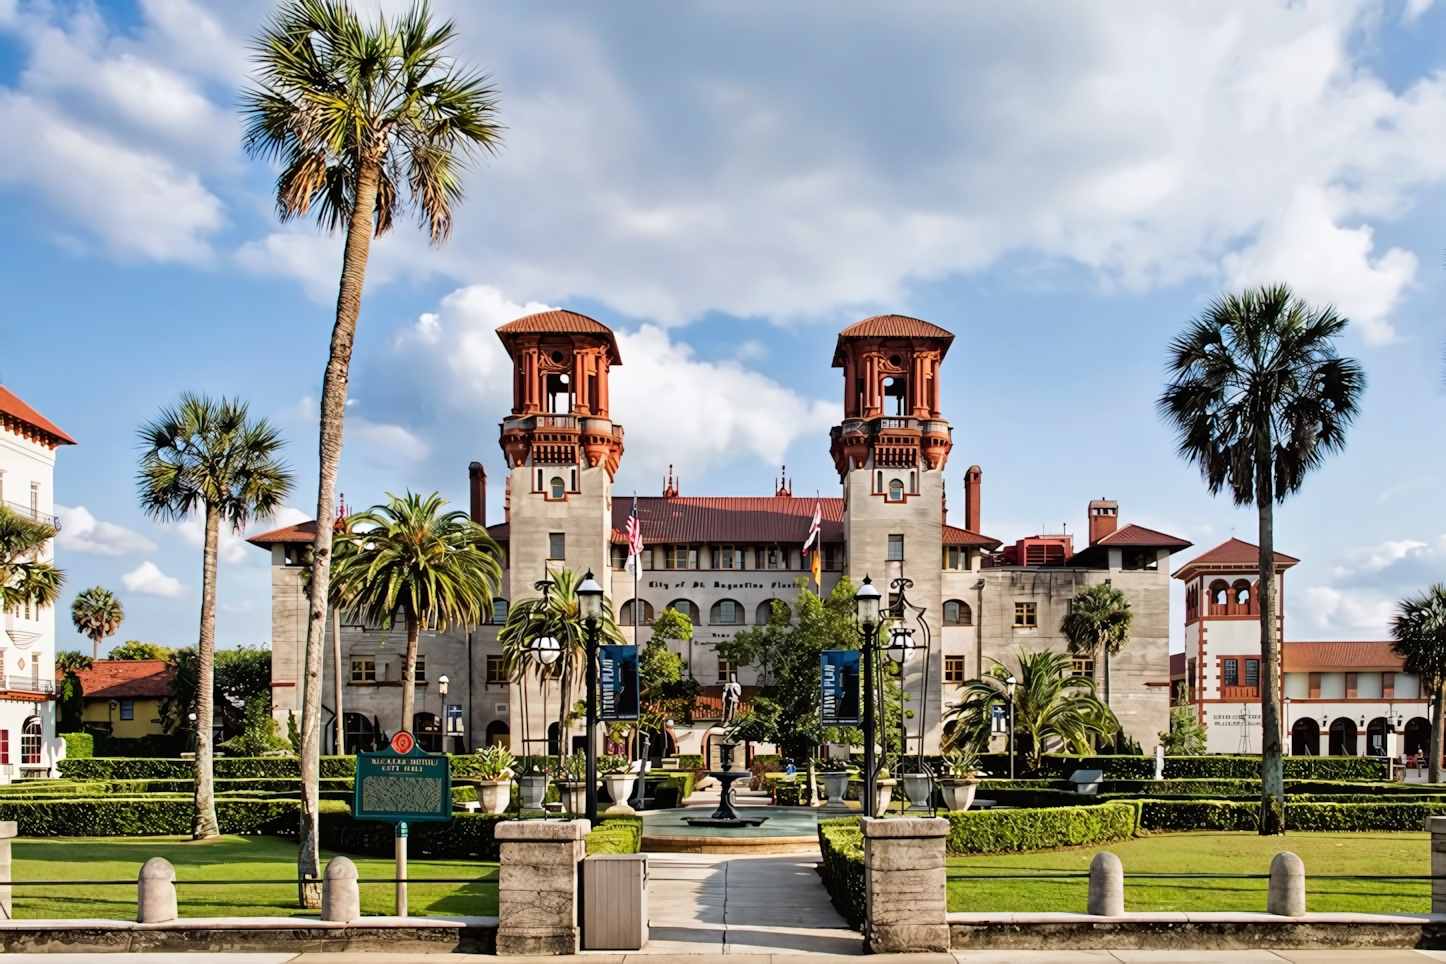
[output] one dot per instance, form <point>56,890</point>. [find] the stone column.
<point>8,831</point>
<point>1437,827</point>
<point>904,885</point>
<point>156,892</point>
<point>537,895</point>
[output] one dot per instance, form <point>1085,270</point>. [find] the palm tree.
<point>1097,626</point>
<point>26,581</point>
<point>439,569</point>
<point>97,613</point>
<point>1050,706</point>
<point>361,118</point>
<point>1259,397</point>
<point>554,614</point>
<point>1419,637</point>
<point>207,456</point>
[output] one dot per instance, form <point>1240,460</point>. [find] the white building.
<point>28,744</point>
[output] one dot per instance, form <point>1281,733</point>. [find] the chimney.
<point>971,498</point>
<point>477,475</point>
<point>1104,518</point>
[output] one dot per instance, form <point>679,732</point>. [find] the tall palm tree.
<point>362,119</point>
<point>1259,397</point>
<point>1050,707</point>
<point>1097,626</point>
<point>1418,634</point>
<point>96,613</point>
<point>555,615</point>
<point>207,456</point>
<point>439,569</point>
<point>25,580</point>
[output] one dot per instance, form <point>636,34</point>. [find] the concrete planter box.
<point>958,793</point>
<point>493,796</point>
<point>620,788</point>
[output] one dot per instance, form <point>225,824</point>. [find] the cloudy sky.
<point>1063,185</point>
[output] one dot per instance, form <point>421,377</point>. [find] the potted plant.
<point>960,781</point>
<point>886,791</point>
<point>836,782</point>
<point>533,784</point>
<point>573,785</point>
<point>494,778</point>
<point>619,780</point>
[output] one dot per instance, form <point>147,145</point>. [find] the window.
<point>680,557</point>
<point>1026,615</point>
<point>557,545</point>
<point>896,490</point>
<point>556,489</point>
<point>127,709</point>
<point>956,557</point>
<point>420,676</point>
<point>1141,559</point>
<point>1252,672</point>
<point>5,746</point>
<point>30,742</point>
<point>1082,667</point>
<point>499,612</point>
<point>620,556</point>
<point>958,613</point>
<point>953,669</point>
<point>364,670</point>
<point>896,547</point>
<point>773,559</point>
<point>35,500</point>
<point>727,613</point>
<point>1232,672</point>
<point>687,608</point>
<point>496,671</point>
<point>726,669</point>
<point>833,553</point>
<point>635,612</point>
<point>726,557</point>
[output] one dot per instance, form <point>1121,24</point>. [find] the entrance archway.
<point>1418,735</point>
<point>1305,737</point>
<point>499,734</point>
<point>1376,742</point>
<point>427,728</point>
<point>1343,736</point>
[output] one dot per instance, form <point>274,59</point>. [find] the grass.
<point>226,858</point>
<point>1208,852</point>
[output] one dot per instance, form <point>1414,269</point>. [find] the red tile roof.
<point>24,420</point>
<point>891,326</point>
<point>1311,656</point>
<point>301,532</point>
<point>954,536</point>
<point>126,679</point>
<point>1233,555</point>
<point>739,519</point>
<point>559,322</point>
<point>1133,535</point>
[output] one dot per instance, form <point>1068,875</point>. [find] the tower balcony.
<point>890,442</point>
<point>547,439</point>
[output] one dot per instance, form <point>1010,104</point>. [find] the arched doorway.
<point>1376,741</point>
<point>427,728</point>
<point>359,734</point>
<point>1305,737</point>
<point>30,737</point>
<point>552,741</point>
<point>498,734</point>
<point>1343,736</point>
<point>1418,735</point>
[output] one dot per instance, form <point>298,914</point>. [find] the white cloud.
<point>82,532</point>
<point>1348,609</point>
<point>148,580</point>
<point>383,444</point>
<point>1365,586</point>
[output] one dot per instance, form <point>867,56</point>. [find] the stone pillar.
<point>537,897</point>
<point>904,885</point>
<point>1287,885</point>
<point>8,831</point>
<point>156,892</point>
<point>340,893</point>
<point>1437,828</point>
<point>1107,885</point>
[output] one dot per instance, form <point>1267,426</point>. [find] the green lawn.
<point>225,858</point>
<point>1208,852</point>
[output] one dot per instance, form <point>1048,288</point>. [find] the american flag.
<point>635,540</point>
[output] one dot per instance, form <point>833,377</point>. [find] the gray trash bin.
<point>615,902</point>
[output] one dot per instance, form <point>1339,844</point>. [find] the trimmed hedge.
<point>841,840</point>
<point>1009,831</point>
<point>1060,766</point>
<point>145,816</point>
<point>468,836</point>
<point>1168,815</point>
<point>690,761</point>
<point>234,767</point>
<point>78,745</point>
<point>789,794</point>
<point>616,835</point>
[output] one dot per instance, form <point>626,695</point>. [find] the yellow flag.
<point>817,575</point>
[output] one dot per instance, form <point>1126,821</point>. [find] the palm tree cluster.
<point>1418,636</point>
<point>25,581</point>
<point>1098,626</point>
<point>96,613</point>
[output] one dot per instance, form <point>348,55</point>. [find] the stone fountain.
<point>725,816</point>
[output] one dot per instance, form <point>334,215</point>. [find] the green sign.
<point>402,784</point>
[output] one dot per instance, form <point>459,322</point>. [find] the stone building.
<point>723,560</point>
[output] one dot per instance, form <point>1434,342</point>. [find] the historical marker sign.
<point>402,784</point>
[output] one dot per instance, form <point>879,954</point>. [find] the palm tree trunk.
<point>409,672</point>
<point>204,824</point>
<point>1272,766</point>
<point>1438,732</point>
<point>333,408</point>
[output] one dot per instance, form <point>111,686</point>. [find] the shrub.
<point>1296,767</point>
<point>152,768</point>
<point>144,816</point>
<point>467,836</point>
<point>1239,815</point>
<point>151,745</point>
<point>690,761</point>
<point>789,794</point>
<point>764,764</point>
<point>620,835</point>
<point>1059,766</point>
<point>78,745</point>
<point>1003,831</point>
<point>841,840</point>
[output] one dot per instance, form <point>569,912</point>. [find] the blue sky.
<point>1063,185</point>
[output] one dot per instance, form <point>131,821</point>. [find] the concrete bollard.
<point>156,897</point>
<point>1287,886</point>
<point>8,831</point>
<point>1437,828</point>
<point>1107,885</point>
<point>340,893</point>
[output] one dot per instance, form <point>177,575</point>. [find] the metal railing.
<point>28,684</point>
<point>33,514</point>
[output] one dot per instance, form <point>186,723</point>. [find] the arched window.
<point>635,612</point>
<point>1376,737</point>
<point>688,608</point>
<point>1305,737</point>
<point>499,611</point>
<point>764,615</point>
<point>1240,593</point>
<point>896,490</point>
<point>726,612</point>
<point>428,731</point>
<point>1343,736</point>
<point>30,736</point>
<point>958,613</point>
<point>558,490</point>
<point>1418,735</point>
<point>1219,593</point>
<point>498,734</point>
<point>359,734</point>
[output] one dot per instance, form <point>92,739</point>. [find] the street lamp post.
<point>866,606</point>
<point>589,607</point>
<point>1011,682</point>
<point>442,718</point>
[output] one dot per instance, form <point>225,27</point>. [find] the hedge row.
<point>841,840</point>
<point>149,768</point>
<point>134,817</point>
<point>1008,831</point>
<point>1236,815</point>
<point>1060,766</point>
<point>616,835</point>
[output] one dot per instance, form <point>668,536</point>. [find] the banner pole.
<point>401,868</point>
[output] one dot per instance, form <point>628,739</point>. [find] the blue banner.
<point>839,682</point>
<point>617,668</point>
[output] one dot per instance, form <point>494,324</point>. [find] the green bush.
<point>144,816</point>
<point>620,835</point>
<point>467,836</point>
<point>1296,767</point>
<point>78,745</point>
<point>690,761</point>
<point>150,745</point>
<point>1004,831</point>
<point>1239,815</point>
<point>789,794</point>
<point>1059,766</point>
<point>841,840</point>
<point>226,767</point>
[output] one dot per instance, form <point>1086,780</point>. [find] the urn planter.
<point>620,788</point>
<point>918,790</point>
<point>574,795</point>
<point>958,792</point>
<point>534,791</point>
<point>493,796</point>
<point>836,784</point>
